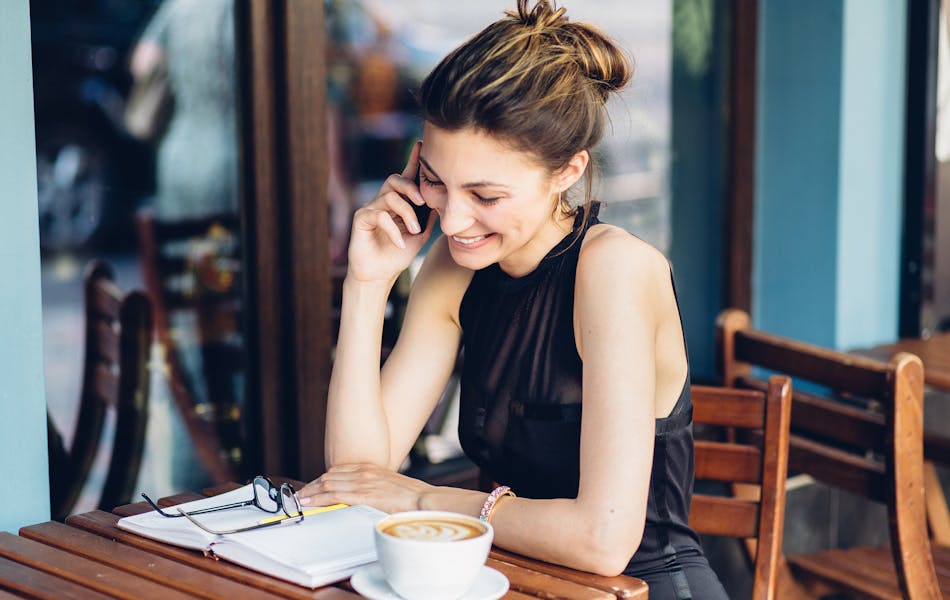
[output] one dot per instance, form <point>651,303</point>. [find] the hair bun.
<point>598,57</point>
<point>543,14</point>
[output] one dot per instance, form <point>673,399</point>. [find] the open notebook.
<point>321,549</point>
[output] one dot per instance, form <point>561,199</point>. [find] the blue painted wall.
<point>829,168</point>
<point>870,185</point>
<point>796,217</point>
<point>23,461</point>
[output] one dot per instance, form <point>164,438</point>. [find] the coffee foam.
<point>433,530</point>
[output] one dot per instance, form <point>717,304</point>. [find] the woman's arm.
<point>621,286</point>
<point>385,237</point>
<point>373,416</point>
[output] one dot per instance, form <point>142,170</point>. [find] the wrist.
<point>491,502</point>
<point>351,283</point>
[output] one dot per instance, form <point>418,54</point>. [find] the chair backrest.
<point>751,448</point>
<point>864,436</point>
<point>118,332</point>
<point>192,270</point>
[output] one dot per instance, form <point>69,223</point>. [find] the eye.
<point>427,181</point>
<point>486,201</point>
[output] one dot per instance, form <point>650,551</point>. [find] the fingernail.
<point>401,243</point>
<point>414,227</point>
<point>305,501</point>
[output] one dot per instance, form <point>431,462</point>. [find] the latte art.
<point>433,530</point>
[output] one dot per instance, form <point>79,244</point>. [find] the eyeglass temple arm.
<point>196,512</point>
<point>188,516</point>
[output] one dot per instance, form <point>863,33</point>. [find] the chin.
<point>470,260</point>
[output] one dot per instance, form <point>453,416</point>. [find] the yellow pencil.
<point>306,513</point>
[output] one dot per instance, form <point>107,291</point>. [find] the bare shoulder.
<point>611,255</point>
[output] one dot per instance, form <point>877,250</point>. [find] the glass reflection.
<point>184,63</point>
<point>155,194</point>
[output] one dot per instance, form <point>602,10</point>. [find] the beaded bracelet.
<point>489,506</point>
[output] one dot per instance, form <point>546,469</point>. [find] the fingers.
<point>352,484</point>
<point>370,219</point>
<point>412,165</point>
<point>409,198</point>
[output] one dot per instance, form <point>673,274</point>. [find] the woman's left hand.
<point>375,486</point>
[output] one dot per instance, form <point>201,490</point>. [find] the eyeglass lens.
<point>266,496</point>
<point>289,501</point>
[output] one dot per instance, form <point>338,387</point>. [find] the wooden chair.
<point>192,270</point>
<point>118,334</point>
<point>762,462</point>
<point>864,436</point>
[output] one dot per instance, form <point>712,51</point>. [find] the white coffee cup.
<point>432,554</point>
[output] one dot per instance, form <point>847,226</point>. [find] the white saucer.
<point>369,582</point>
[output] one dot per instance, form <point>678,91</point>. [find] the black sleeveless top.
<point>520,408</point>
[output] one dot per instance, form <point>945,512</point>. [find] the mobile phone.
<point>422,212</point>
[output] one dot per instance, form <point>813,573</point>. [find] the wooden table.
<point>89,557</point>
<point>934,352</point>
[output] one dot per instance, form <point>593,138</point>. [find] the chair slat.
<point>715,515</point>
<point>726,407</point>
<point>831,419</point>
<point>720,461</point>
<point>855,474</point>
<point>860,376</point>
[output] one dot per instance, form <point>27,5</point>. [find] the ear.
<point>572,171</point>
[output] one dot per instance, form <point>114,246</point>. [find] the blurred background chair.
<point>118,337</point>
<point>759,458</point>
<point>193,274</point>
<point>859,429</point>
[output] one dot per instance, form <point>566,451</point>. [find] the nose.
<point>455,214</point>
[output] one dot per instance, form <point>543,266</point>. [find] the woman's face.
<point>495,204</point>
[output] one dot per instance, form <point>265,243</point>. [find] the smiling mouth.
<point>469,241</point>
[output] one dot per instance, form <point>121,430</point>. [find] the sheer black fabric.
<point>521,406</point>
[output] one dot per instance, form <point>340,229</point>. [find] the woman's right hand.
<point>381,244</point>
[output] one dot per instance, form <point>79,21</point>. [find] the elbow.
<point>610,562</point>
<point>608,553</point>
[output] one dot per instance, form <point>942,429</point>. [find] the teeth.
<point>473,240</point>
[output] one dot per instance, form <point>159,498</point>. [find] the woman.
<point>575,387</point>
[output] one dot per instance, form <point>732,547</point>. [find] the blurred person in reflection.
<point>575,386</point>
<point>196,169</point>
<point>197,176</point>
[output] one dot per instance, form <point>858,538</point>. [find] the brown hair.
<point>533,79</point>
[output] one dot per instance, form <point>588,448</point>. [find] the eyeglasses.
<point>266,496</point>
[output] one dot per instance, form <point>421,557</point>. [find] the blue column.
<point>23,460</point>
<point>870,186</point>
<point>829,168</point>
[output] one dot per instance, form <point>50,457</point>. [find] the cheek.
<point>433,197</point>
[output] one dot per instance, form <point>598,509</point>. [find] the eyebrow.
<point>465,186</point>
